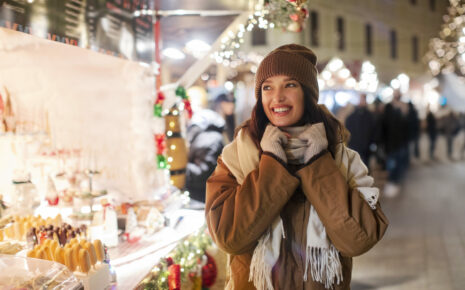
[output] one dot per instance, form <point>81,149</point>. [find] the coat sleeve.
<point>238,215</point>
<point>351,224</point>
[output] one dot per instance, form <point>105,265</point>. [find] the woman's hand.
<point>315,135</point>
<point>273,141</point>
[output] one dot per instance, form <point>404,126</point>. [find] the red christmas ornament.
<point>294,17</point>
<point>174,277</point>
<point>160,98</point>
<point>209,272</point>
<point>169,261</point>
<point>188,107</point>
<point>160,143</point>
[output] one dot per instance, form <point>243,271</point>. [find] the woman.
<point>287,200</point>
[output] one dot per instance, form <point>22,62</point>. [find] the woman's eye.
<point>291,85</point>
<point>266,88</point>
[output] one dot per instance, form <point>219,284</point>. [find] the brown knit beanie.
<point>292,60</point>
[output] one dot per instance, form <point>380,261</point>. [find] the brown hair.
<point>336,133</point>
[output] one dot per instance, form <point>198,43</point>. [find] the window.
<point>340,34</point>
<point>393,44</point>
<point>258,36</point>
<point>314,39</point>
<point>415,49</point>
<point>432,5</point>
<point>368,40</point>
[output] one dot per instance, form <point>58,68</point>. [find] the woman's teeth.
<point>280,110</point>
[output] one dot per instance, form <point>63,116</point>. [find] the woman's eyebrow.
<point>289,79</point>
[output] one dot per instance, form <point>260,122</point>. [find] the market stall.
<point>78,143</point>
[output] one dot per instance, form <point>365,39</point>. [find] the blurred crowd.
<point>387,135</point>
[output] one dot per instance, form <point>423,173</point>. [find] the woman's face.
<point>282,100</point>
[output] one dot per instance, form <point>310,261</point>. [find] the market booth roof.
<point>201,19</point>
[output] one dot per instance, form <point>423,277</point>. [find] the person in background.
<point>395,139</point>
<point>452,128</point>
<point>431,129</point>
<point>288,200</point>
<point>462,127</point>
<point>224,105</point>
<point>449,125</point>
<point>361,124</point>
<point>379,148</point>
<point>206,141</point>
<point>413,130</point>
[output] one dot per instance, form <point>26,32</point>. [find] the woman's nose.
<point>278,95</point>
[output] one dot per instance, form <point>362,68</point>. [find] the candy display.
<point>53,240</point>
<point>83,258</point>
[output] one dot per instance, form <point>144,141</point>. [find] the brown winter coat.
<point>238,215</point>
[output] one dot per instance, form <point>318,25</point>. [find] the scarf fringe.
<point>260,270</point>
<point>325,266</point>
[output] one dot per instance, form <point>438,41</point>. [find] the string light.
<point>446,52</point>
<point>275,13</point>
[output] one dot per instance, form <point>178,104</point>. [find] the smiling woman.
<point>287,173</point>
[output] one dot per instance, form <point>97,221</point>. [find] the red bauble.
<point>169,261</point>
<point>160,143</point>
<point>188,107</point>
<point>174,277</point>
<point>160,98</point>
<point>294,17</point>
<point>53,200</point>
<point>209,272</point>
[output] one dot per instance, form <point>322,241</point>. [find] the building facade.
<point>392,34</point>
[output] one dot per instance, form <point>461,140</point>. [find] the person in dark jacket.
<point>413,130</point>
<point>205,136</point>
<point>224,105</point>
<point>431,129</point>
<point>395,139</point>
<point>360,124</point>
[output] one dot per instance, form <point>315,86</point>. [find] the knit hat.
<point>292,60</point>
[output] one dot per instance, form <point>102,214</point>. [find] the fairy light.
<point>233,40</point>
<point>263,17</point>
<point>368,78</point>
<point>446,52</point>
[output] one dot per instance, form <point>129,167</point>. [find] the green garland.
<point>280,11</point>
<point>187,254</point>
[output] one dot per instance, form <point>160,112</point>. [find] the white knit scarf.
<point>241,157</point>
